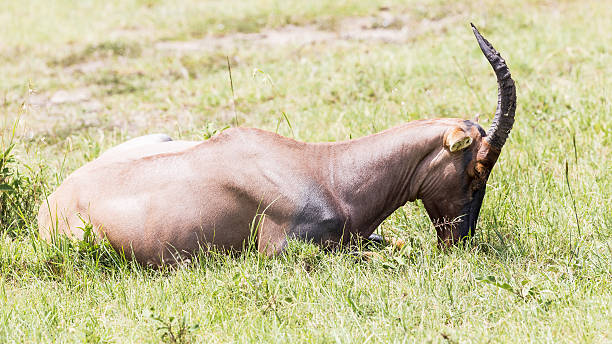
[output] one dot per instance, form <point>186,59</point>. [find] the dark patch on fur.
<point>318,219</point>
<point>469,124</point>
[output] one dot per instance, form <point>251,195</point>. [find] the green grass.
<point>537,270</point>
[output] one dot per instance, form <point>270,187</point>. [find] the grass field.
<point>80,77</point>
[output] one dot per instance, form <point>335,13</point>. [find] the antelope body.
<point>157,200</point>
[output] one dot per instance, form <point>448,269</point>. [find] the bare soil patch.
<point>384,28</point>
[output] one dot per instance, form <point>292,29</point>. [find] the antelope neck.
<point>376,174</point>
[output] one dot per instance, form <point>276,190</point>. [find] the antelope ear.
<point>456,139</point>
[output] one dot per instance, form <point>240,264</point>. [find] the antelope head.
<point>459,171</point>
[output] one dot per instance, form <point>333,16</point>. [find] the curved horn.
<point>506,94</point>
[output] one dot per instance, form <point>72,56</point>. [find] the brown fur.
<point>171,198</point>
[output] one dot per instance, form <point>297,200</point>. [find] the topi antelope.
<point>159,200</point>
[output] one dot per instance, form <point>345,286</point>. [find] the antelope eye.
<point>480,169</point>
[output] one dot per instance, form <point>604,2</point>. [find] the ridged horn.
<point>506,94</point>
